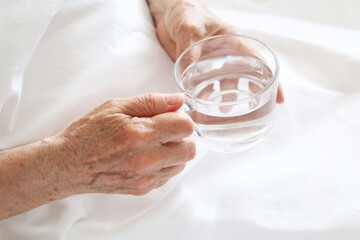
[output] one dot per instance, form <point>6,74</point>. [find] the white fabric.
<point>58,60</point>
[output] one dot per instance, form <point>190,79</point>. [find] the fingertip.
<point>280,98</point>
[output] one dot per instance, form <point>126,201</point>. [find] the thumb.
<point>151,104</point>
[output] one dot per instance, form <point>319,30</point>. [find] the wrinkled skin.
<point>124,146</point>
<point>132,146</point>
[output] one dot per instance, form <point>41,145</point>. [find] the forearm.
<point>158,7</point>
<point>29,177</point>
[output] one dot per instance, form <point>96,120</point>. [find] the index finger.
<point>173,126</point>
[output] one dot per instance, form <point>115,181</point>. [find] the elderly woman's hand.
<point>181,23</point>
<point>125,146</point>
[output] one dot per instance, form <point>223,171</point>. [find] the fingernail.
<point>172,99</point>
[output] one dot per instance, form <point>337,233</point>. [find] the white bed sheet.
<point>64,58</point>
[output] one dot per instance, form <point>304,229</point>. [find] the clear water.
<point>217,83</point>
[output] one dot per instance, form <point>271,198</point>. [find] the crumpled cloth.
<point>59,59</point>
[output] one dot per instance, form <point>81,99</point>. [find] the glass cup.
<point>230,86</point>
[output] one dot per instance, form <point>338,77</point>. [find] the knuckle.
<point>151,96</point>
<point>186,150</point>
<point>188,26</point>
<point>191,150</point>
<point>150,100</point>
<point>187,125</point>
<point>148,97</point>
<point>178,169</point>
<point>139,133</point>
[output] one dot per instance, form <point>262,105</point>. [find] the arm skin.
<point>29,177</point>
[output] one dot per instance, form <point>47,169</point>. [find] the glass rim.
<point>273,78</point>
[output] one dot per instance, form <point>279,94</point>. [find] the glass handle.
<point>187,107</point>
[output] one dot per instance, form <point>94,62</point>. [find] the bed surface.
<point>303,182</point>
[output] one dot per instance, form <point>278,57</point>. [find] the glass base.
<point>236,148</point>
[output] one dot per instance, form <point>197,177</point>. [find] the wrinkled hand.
<point>181,23</point>
<point>127,146</point>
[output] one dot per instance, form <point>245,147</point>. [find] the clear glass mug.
<point>230,86</point>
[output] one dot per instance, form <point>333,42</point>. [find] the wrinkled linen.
<point>62,58</point>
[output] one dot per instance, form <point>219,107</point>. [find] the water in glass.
<point>231,111</point>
